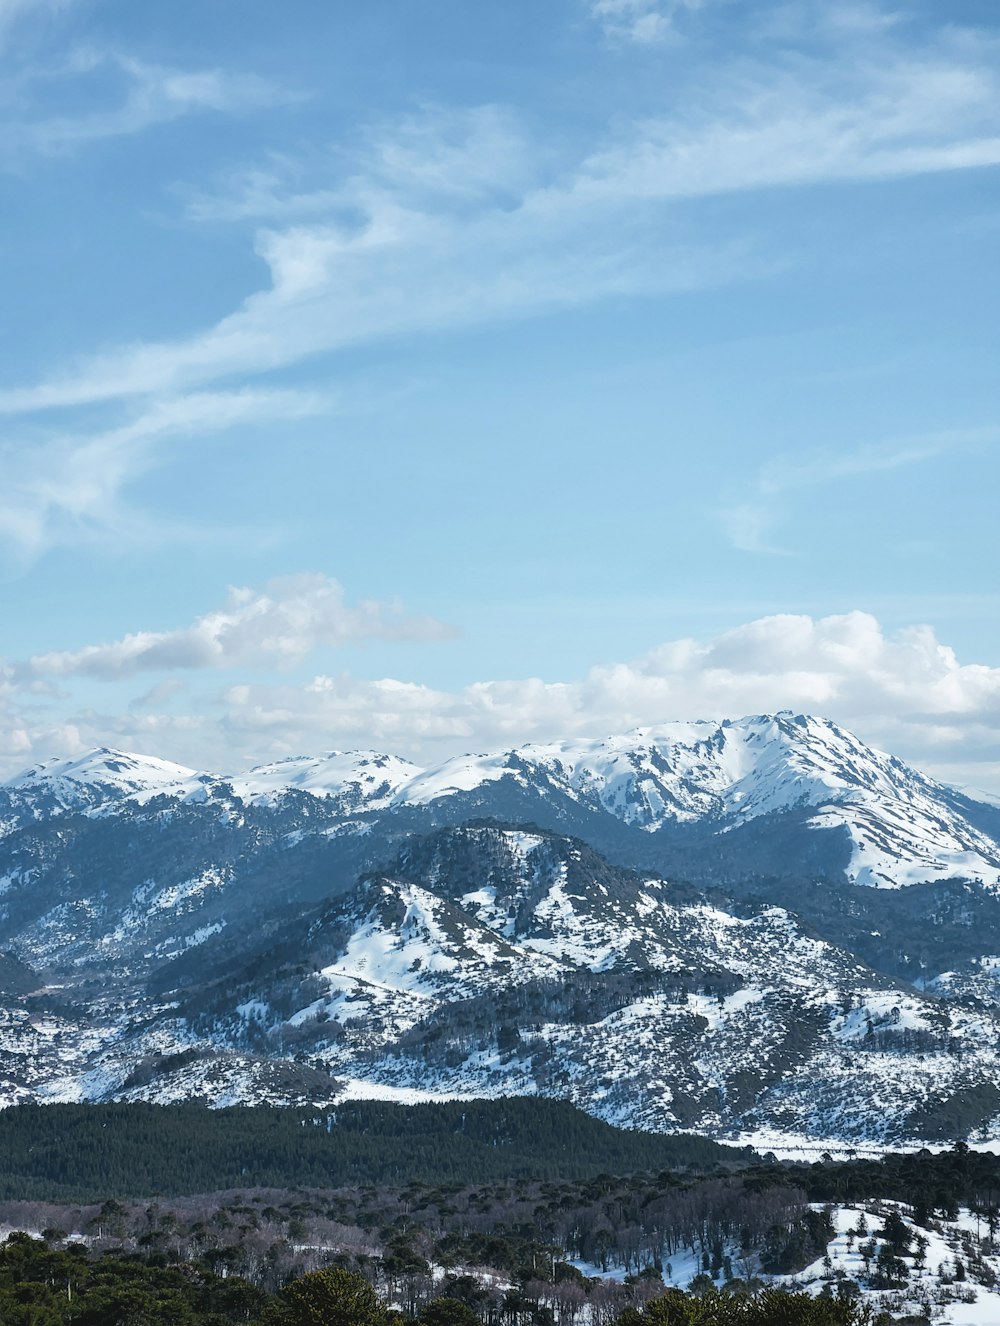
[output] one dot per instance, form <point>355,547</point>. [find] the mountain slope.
<point>694,788</point>
<point>490,961</point>
<point>902,826</point>
<point>351,923</point>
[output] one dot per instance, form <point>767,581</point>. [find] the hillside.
<point>759,930</point>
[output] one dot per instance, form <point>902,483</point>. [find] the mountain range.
<point>759,929</point>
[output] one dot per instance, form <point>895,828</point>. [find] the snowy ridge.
<point>167,934</point>
<point>360,779</point>
<point>901,824</point>
<point>101,775</point>
<point>900,827</point>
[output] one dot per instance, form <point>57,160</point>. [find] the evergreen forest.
<point>368,1216</point>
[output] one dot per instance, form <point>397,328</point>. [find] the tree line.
<point>87,1151</point>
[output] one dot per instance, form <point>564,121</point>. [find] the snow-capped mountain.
<point>98,778</point>
<point>680,784</point>
<point>355,780</point>
<point>110,773</point>
<point>902,826</point>
<point>352,918</point>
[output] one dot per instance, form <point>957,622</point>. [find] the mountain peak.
<point>705,777</point>
<point>361,778</point>
<point>105,769</point>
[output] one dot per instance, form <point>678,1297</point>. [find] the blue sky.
<point>434,376</point>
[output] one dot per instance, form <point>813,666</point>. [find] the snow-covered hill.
<point>945,1271</point>
<point>886,824</point>
<point>490,961</point>
<point>98,778</point>
<point>350,922</point>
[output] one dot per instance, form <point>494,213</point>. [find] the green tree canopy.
<point>446,1311</point>
<point>332,1297</point>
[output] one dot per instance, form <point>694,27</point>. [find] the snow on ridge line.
<point>712,758</point>
<point>739,770</point>
<point>104,761</point>
<point>719,756</point>
<point>105,770</point>
<point>330,774</point>
<point>901,823</point>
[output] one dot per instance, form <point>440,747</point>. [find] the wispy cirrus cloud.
<point>452,219</point>
<point>642,21</point>
<point>13,10</point>
<point>750,520</point>
<point>139,94</point>
<point>64,487</point>
<point>438,157</point>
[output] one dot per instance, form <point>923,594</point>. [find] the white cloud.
<point>279,624</point>
<point>438,155</point>
<point>810,123</point>
<point>132,95</point>
<point>155,94</point>
<point>845,19</point>
<point>68,487</point>
<point>455,220</point>
<point>903,690</point>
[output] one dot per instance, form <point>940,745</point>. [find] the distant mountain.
<point>86,782</point>
<point>672,928</point>
<point>901,826</point>
<point>100,775</point>
<point>684,783</point>
<point>352,780</point>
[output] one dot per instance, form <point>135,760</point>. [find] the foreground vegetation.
<point>40,1286</point>
<point>592,1252</point>
<point>576,1248</point>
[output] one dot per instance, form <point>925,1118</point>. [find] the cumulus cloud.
<point>903,690</point>
<point>280,624</point>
